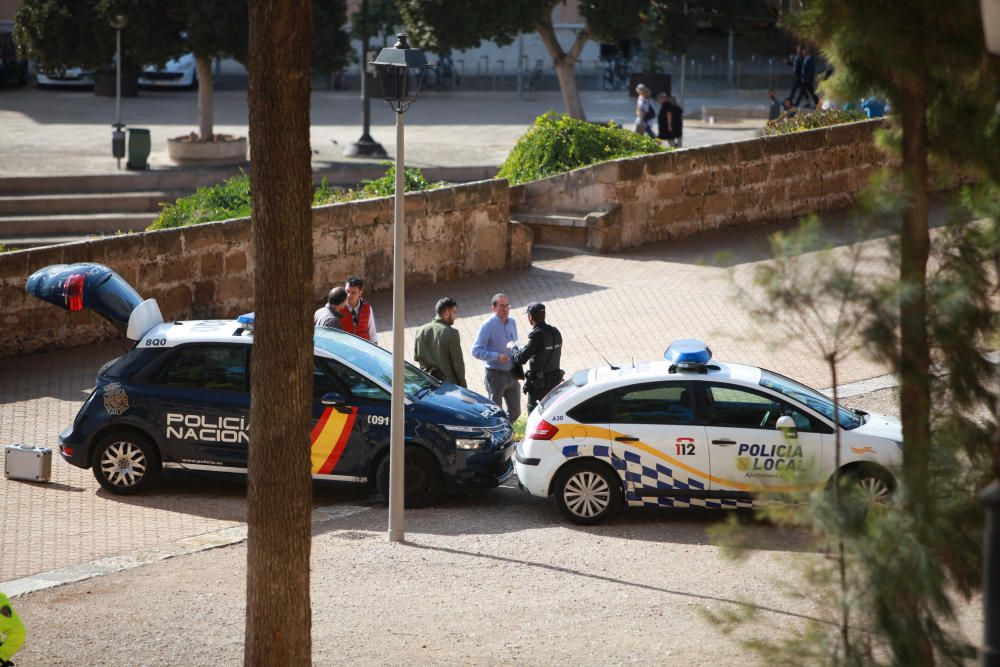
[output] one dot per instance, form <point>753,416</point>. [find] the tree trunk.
<point>279,495</point>
<point>206,102</point>
<point>914,369</point>
<point>914,346</point>
<point>564,63</point>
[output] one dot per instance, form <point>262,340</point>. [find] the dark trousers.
<point>536,395</point>
<point>807,89</point>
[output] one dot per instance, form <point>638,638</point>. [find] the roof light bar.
<point>688,353</point>
<point>246,321</point>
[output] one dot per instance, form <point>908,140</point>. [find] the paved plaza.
<point>58,132</point>
<point>621,307</point>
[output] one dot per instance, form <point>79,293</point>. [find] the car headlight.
<point>471,443</point>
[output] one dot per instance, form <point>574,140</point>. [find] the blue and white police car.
<point>687,432</point>
<point>179,400</point>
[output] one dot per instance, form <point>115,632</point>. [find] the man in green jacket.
<point>11,631</point>
<point>438,349</point>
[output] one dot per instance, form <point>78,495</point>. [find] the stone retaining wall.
<point>206,270</point>
<point>683,192</point>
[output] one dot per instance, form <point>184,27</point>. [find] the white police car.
<point>686,432</point>
<point>180,400</point>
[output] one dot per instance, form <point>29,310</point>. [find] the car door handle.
<point>725,442</point>
<point>626,438</point>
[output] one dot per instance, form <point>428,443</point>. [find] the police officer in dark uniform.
<point>543,354</point>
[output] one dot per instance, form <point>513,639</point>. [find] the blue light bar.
<point>246,320</point>
<point>688,353</point>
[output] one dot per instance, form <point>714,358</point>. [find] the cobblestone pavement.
<point>621,307</point>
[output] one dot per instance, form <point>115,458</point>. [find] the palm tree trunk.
<point>279,495</point>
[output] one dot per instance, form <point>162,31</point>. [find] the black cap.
<point>535,307</point>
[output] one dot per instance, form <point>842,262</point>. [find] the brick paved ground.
<point>621,306</point>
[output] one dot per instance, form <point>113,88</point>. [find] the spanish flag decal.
<point>329,437</point>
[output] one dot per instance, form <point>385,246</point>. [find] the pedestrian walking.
<point>491,348</point>
<point>676,123</point>
<point>543,354</point>
<point>438,348</point>
<point>774,109</point>
<point>796,62</point>
<point>358,317</point>
<point>645,114</point>
<point>808,78</point>
<point>12,632</point>
<point>663,130</point>
<point>329,315</point>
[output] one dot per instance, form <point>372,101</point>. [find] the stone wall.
<point>633,201</point>
<point>207,270</point>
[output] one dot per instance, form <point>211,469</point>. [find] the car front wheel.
<point>587,492</point>
<point>126,463</point>
<point>423,481</point>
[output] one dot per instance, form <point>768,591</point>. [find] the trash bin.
<point>138,148</point>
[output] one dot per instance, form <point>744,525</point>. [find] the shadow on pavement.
<point>732,246</point>
<point>509,510</point>
<point>620,582</point>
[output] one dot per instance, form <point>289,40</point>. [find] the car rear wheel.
<point>423,481</point>
<point>587,492</point>
<point>126,463</point>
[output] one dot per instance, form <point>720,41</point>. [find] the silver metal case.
<point>29,463</point>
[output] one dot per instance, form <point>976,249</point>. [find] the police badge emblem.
<point>742,463</point>
<point>115,399</point>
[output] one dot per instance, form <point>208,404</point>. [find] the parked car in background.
<point>13,70</point>
<point>71,77</point>
<point>178,73</point>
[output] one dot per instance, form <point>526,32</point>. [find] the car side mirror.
<point>334,399</point>
<point>786,424</point>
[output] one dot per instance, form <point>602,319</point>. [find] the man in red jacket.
<point>358,318</point>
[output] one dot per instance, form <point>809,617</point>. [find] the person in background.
<point>663,130</point>
<point>491,348</point>
<point>438,348</point>
<point>676,123</point>
<point>358,318</point>
<point>774,109</point>
<point>329,315</point>
<point>795,60</point>
<point>789,108</point>
<point>808,86</point>
<point>644,111</point>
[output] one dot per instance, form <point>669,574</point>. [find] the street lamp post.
<point>400,71</point>
<point>118,136</point>
<point>365,146</point>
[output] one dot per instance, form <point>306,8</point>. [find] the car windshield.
<point>372,360</point>
<point>808,397</point>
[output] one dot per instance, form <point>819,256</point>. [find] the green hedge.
<point>231,198</point>
<point>811,120</point>
<point>558,143</point>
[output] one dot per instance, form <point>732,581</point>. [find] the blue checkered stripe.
<point>652,474</point>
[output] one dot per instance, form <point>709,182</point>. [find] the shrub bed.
<point>558,143</point>
<point>231,198</point>
<point>811,120</point>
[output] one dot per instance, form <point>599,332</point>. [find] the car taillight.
<point>73,292</point>
<point>543,431</point>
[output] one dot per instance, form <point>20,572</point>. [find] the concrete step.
<point>556,230</point>
<point>25,242</point>
<point>95,223</point>
<point>98,202</point>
